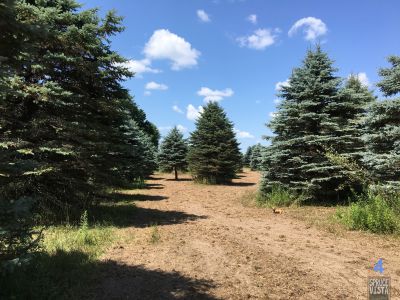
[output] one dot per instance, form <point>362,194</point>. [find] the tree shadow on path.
<point>125,215</point>
<point>135,282</point>
<point>117,197</point>
<point>76,275</point>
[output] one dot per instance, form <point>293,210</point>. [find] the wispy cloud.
<point>312,27</point>
<point>140,66</point>
<point>214,95</point>
<point>176,108</point>
<point>243,134</point>
<point>280,84</point>
<point>156,86</point>
<point>192,113</point>
<point>252,19</point>
<point>203,16</point>
<point>260,39</point>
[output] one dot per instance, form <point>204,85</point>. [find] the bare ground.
<point>213,247</point>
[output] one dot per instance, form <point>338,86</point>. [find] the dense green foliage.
<point>173,153</point>
<point>214,155</point>
<point>383,130</point>
<point>256,157</point>
<point>68,128</point>
<point>315,115</point>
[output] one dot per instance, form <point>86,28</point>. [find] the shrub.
<point>279,196</point>
<point>374,211</point>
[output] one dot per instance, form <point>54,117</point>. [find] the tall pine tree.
<point>312,118</point>
<point>214,156</point>
<point>383,129</point>
<point>69,129</point>
<point>173,152</point>
<point>17,234</point>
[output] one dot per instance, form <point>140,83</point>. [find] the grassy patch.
<point>65,266</point>
<point>155,235</point>
<point>279,197</point>
<point>373,212</point>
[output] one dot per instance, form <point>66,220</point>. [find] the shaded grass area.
<point>68,266</point>
<point>63,267</point>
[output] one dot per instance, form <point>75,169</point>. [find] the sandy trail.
<point>212,247</point>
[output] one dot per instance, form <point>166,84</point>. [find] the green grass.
<point>66,265</point>
<point>373,212</point>
<point>279,197</point>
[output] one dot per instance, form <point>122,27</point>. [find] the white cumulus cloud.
<point>312,27</point>
<point>280,84</point>
<point>273,114</point>
<point>164,44</point>
<point>363,79</point>
<point>252,19</point>
<point>156,86</point>
<point>260,39</point>
<point>214,95</point>
<point>176,108</point>
<point>140,66</point>
<point>192,113</point>
<point>203,16</point>
<point>243,134</point>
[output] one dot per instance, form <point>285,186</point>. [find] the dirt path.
<point>212,247</point>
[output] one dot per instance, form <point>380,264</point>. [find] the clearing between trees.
<point>208,245</point>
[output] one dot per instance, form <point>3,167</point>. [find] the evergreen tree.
<point>247,156</point>
<point>17,220</point>
<point>383,129</point>
<point>68,129</point>
<point>173,152</point>
<point>349,124</point>
<point>214,156</point>
<point>256,157</point>
<point>312,118</point>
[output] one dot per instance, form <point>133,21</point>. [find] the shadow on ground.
<point>127,214</point>
<point>153,186</point>
<point>135,282</point>
<point>75,275</point>
<point>180,179</point>
<point>117,197</point>
<point>241,184</point>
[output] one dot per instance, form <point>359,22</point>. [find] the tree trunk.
<point>176,173</point>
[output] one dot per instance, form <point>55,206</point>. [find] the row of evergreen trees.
<point>319,115</point>
<point>212,153</point>
<point>68,129</point>
<point>253,157</point>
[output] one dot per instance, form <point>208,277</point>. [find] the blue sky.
<point>186,53</point>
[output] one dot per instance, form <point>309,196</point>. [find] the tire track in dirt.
<point>212,247</point>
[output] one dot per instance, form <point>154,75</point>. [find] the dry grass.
<point>321,217</point>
